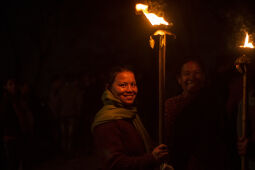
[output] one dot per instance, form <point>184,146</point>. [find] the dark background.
<point>43,38</point>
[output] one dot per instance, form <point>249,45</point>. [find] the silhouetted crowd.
<point>202,124</point>
<point>34,129</point>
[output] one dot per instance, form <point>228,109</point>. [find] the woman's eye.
<point>122,85</point>
<point>186,74</point>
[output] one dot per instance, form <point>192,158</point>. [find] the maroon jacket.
<point>192,128</point>
<point>121,147</point>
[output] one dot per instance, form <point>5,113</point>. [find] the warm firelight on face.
<point>153,18</point>
<point>247,44</point>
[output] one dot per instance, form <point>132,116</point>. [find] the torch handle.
<point>244,110</point>
<point>244,105</point>
<point>161,85</point>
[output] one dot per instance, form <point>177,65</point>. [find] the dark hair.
<point>196,60</point>
<point>5,80</point>
<point>113,73</point>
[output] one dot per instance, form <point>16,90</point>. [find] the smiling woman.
<point>119,135</point>
<point>193,122</point>
<point>124,87</point>
<point>191,78</point>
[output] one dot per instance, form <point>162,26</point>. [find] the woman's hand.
<point>160,151</point>
<point>242,145</point>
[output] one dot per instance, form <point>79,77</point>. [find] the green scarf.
<point>114,110</point>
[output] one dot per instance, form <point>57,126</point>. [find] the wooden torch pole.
<point>244,110</point>
<point>161,83</point>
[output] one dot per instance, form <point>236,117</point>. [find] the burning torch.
<point>241,65</point>
<point>162,25</point>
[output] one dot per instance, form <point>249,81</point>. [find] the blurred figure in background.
<point>26,107</point>
<point>26,104</point>
<point>54,104</point>
<point>69,114</point>
<point>88,108</point>
<point>192,122</point>
<point>12,124</point>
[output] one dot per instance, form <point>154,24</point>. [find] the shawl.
<point>114,109</point>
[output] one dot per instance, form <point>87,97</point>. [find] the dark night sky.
<point>42,38</point>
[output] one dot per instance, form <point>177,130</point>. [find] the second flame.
<point>247,44</point>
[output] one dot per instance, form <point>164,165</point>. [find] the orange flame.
<point>153,18</point>
<point>247,44</point>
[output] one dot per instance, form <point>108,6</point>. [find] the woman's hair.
<point>113,73</point>
<point>190,59</point>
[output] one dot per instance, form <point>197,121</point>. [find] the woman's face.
<point>124,87</point>
<point>191,78</point>
<point>10,86</point>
